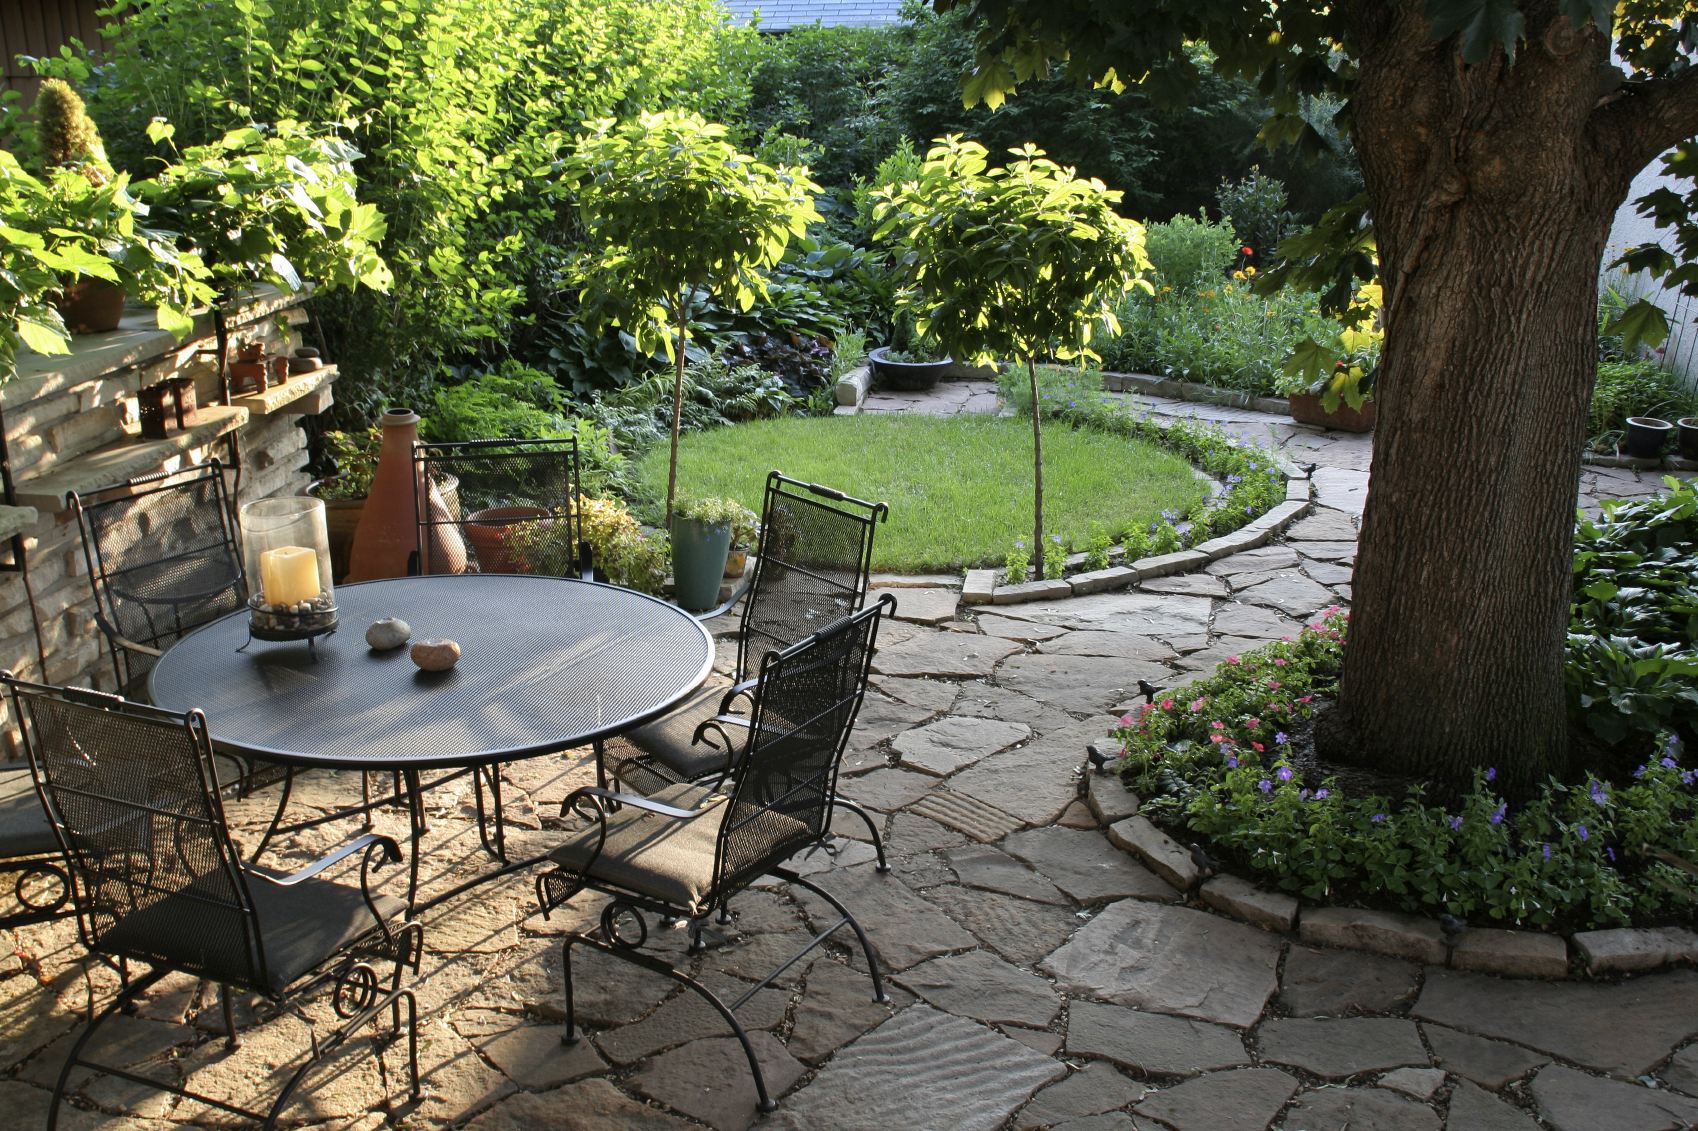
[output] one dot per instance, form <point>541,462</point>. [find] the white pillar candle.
<point>289,575</point>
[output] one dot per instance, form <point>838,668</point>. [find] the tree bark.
<point>1037,474</point>
<point>1494,189</point>
<point>677,406</point>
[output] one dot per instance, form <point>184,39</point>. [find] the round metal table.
<point>546,664</point>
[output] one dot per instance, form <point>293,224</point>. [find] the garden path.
<point>1041,975</point>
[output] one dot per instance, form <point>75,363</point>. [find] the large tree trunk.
<point>1493,197</point>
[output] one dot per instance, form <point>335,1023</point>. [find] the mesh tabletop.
<point>546,664</point>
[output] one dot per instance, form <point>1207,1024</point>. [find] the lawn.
<point>959,488</point>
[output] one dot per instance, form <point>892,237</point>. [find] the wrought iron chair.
<point>156,879</point>
<point>163,560</point>
<point>690,848</point>
<point>29,850</point>
<point>814,563</point>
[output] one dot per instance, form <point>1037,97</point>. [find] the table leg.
<point>499,848</point>
<point>277,818</point>
<point>416,819</point>
<point>600,765</point>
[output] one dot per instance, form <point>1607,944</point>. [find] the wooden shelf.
<point>126,459</point>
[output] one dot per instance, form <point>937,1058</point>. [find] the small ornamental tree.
<point>1024,261</point>
<point>674,207</point>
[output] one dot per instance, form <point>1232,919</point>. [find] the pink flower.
<point>1305,698</point>
<point>1217,725</point>
<point>1126,721</point>
<point>1217,738</point>
<point>1232,659</point>
<point>1287,639</point>
<point>1255,723</point>
<point>1275,686</point>
<point>1258,747</point>
<point>1279,663</point>
<point>1197,705</point>
<point>1167,704</point>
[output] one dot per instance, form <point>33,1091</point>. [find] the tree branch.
<point>1638,121</point>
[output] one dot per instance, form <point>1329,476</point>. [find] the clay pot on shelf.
<point>91,306</point>
<point>1646,437</point>
<point>1306,409</point>
<point>487,531</point>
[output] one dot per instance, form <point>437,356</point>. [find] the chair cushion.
<point>667,739</point>
<point>24,830</point>
<point>300,926</point>
<point>662,857</point>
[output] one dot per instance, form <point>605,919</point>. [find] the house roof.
<point>782,15</point>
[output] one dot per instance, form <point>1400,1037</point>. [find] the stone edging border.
<point>1192,391</point>
<point>1661,463</point>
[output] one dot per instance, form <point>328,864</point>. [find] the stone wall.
<point>71,423</point>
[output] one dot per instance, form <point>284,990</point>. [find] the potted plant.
<point>745,530</point>
<point>1023,261</point>
<point>68,140</point>
<point>701,541</point>
<point>1646,437</point>
<point>344,493</point>
<point>911,362</point>
<point>1332,386</point>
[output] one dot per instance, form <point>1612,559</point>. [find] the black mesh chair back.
<point>155,876</point>
<point>815,558</point>
<point>499,506</point>
<point>163,559</point>
<point>785,778</point>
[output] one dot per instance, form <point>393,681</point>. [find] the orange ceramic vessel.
<point>388,534</point>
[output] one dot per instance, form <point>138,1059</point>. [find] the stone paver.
<point>1124,645</point>
<point>1252,904</point>
<point>1240,1100</point>
<point>1018,929</point>
<point>1474,1110</point>
<point>1254,561</point>
<point>1342,1048</point>
<point>1254,621</point>
<point>1382,932</point>
<point>836,1008</point>
<point>1108,797</point>
<point>1416,1083</point>
<point>1682,1071</point>
<point>1517,954</point>
<point>904,929</point>
<point>1170,960</point>
<point>1491,1064</point>
<point>1027,632</point>
<point>1163,855</point>
<point>1085,866</point>
<point>1573,1101</point>
<point>1151,614</point>
<point>1093,1090</point>
<point>978,819</point>
<point>947,655</point>
<point>1077,683</point>
<point>1193,584</point>
<point>922,606</point>
<point>1333,982</point>
<point>594,1103</point>
<point>1035,782</point>
<point>945,746</point>
<point>983,987</point>
<point>980,866</point>
<point>1359,1109</point>
<point>1627,949</point>
<point>1622,1029</point>
<point>1323,526</point>
<point>931,694</point>
<point>881,717</point>
<point>922,1068</point>
<point>1151,1042</point>
<point>887,789</point>
<point>533,1057</point>
<point>710,1080</point>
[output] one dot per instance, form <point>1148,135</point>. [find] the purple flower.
<point>1377,818</point>
<point>1232,763</point>
<point>1640,772</point>
<point>1265,785</point>
<point>1282,738</point>
<point>1599,797</point>
<point>1497,818</point>
<point>1320,793</point>
<point>1547,852</point>
<point>1611,852</point>
<point>1686,778</point>
<point>1285,773</point>
<point>1492,773</point>
<point>1303,795</point>
<point>1455,823</point>
<point>1581,829</point>
<point>1669,763</point>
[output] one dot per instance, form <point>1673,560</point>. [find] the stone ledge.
<point>852,387</point>
<point>1381,932</point>
<point>127,459</point>
<point>1182,561</point>
<point>1515,954</point>
<point>1099,580</point>
<point>279,397</point>
<point>1165,856</point>
<point>1191,391</point>
<point>1030,591</point>
<point>979,587</point>
<point>1628,949</point>
<point>1245,901</point>
<point>14,519</point>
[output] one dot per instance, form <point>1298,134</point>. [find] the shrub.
<point>1635,388</point>
<point>1221,335</point>
<point>1254,207</point>
<point>1190,254</point>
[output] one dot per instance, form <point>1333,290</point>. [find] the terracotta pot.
<point>388,534</point>
<point>341,518</point>
<point>91,306</point>
<point>736,562</point>
<point>486,530</point>
<point>1306,409</point>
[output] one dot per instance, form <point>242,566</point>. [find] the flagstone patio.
<point>1039,974</point>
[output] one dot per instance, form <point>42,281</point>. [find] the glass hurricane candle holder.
<point>286,545</point>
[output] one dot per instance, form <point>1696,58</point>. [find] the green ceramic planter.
<point>699,551</point>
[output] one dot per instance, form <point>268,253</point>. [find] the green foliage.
<point>627,553</point>
<point>354,456</point>
<point>1218,763</point>
<point>1097,548</point>
<point>1055,558</point>
<point>1254,207</point>
<point>1016,564</point>
<point>66,138</point>
<point>1635,388</point>
<point>1189,253</point>
<point>512,402</point>
<point>716,394</point>
<point>1632,663</point>
<point>672,206</point>
<point>714,511</point>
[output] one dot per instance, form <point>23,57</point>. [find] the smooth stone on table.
<point>1237,1100</point>
<point>1391,933</point>
<point>1087,867</point>
<point>1359,1109</point>
<point>1151,1042</point>
<point>1245,901</point>
<point>1171,960</point>
<point>1573,1101</point>
<point>1621,1029</point>
<point>1332,982</point>
<point>1491,1064</point>
<point>1340,1048</point>
<point>920,1069</point>
<point>1630,949</point>
<point>436,655</point>
<point>390,632</point>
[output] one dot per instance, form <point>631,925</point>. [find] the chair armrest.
<point>392,853</point>
<point>647,803</point>
<point>719,723</point>
<point>736,689</point>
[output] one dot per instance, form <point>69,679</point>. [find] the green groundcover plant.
<point>1218,759</point>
